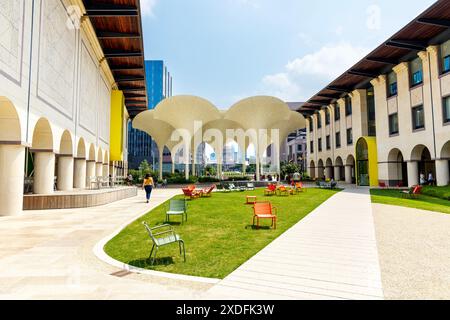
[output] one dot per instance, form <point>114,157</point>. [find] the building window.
<point>416,71</point>
<point>328,142</point>
<point>338,139</point>
<point>446,106</point>
<point>445,57</point>
<point>311,146</point>
<point>320,144</point>
<point>337,112</point>
<point>349,136</point>
<point>392,84</point>
<point>327,117</point>
<point>311,124</point>
<point>393,124</point>
<point>319,121</point>
<point>299,148</point>
<point>418,118</point>
<point>348,106</point>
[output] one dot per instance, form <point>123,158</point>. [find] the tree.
<point>289,169</point>
<point>145,168</point>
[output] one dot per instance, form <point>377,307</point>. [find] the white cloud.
<point>147,8</point>
<point>306,75</point>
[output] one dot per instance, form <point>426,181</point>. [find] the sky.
<point>227,50</point>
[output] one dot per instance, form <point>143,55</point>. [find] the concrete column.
<point>105,170</point>
<point>161,155</point>
<point>65,173</point>
<point>173,167</point>
<point>337,173</point>
<point>90,172</point>
<point>348,174</point>
<point>413,173</point>
<point>442,173</point>
<point>44,172</point>
<point>12,161</point>
<point>186,170</point>
<point>112,171</point>
<point>79,176</point>
<point>258,172</point>
<point>99,169</point>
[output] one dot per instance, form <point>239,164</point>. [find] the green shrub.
<point>208,179</point>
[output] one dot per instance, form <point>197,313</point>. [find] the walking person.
<point>148,186</point>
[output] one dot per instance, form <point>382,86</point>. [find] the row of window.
<point>418,117</point>
<point>337,139</point>
<point>337,114</point>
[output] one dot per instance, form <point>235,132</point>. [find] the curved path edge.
<point>100,253</point>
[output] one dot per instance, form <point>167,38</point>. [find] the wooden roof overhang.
<point>429,28</point>
<point>118,27</point>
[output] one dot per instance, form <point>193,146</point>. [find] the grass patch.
<point>424,202</point>
<point>437,192</point>
<point>218,235</point>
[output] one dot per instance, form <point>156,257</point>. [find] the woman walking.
<point>148,186</point>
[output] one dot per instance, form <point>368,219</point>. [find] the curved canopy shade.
<point>296,121</point>
<point>160,131</point>
<point>259,112</point>
<point>181,112</point>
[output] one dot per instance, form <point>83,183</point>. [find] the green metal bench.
<point>162,236</point>
<point>177,208</point>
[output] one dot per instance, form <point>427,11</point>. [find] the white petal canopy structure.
<point>187,121</point>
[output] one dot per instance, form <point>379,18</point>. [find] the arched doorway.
<point>443,166</point>
<point>44,158</point>
<point>350,176</point>
<point>320,170</point>
<point>65,163</point>
<point>366,162</point>
<point>12,160</point>
<point>425,164</point>
<point>339,169</point>
<point>329,172</point>
<point>397,169</point>
<point>312,169</point>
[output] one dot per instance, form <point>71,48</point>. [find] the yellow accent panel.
<point>117,129</point>
<point>373,160</point>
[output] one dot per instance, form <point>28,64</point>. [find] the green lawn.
<point>424,202</point>
<point>218,235</point>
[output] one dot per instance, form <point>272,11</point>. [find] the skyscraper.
<point>159,85</point>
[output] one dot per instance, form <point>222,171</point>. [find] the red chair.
<point>413,193</point>
<point>191,194</point>
<point>382,185</point>
<point>271,190</point>
<point>208,191</point>
<point>264,210</point>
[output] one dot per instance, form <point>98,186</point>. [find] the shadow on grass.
<point>253,227</point>
<point>146,263</point>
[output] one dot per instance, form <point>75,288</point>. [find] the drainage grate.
<point>121,274</point>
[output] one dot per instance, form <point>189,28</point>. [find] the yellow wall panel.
<point>117,125</point>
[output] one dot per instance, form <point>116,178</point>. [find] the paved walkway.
<point>414,249</point>
<point>330,254</point>
<point>49,255</point>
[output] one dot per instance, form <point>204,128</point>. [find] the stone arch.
<point>312,169</point>
<point>100,155</point>
<point>397,169</point>
<point>106,158</point>
<point>339,172</point>
<point>445,152</point>
<point>42,135</point>
<point>350,160</point>
<point>92,155</point>
<point>66,144</point>
<point>320,169</point>
<point>81,149</point>
<point>10,128</point>
<point>426,164</point>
